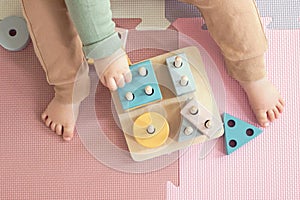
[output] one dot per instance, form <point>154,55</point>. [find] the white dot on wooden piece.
<point>142,71</point>
<point>129,96</point>
<point>184,80</point>
<point>208,124</point>
<point>148,90</point>
<point>188,130</point>
<point>194,110</point>
<point>178,61</point>
<point>150,129</point>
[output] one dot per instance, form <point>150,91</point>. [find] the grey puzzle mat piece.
<point>176,9</point>
<point>285,14</point>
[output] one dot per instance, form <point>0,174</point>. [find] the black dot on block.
<point>12,32</point>
<point>231,123</point>
<point>249,132</point>
<point>232,143</point>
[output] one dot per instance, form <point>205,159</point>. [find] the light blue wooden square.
<point>137,87</point>
<point>177,73</point>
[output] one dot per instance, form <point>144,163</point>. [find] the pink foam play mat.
<point>37,164</point>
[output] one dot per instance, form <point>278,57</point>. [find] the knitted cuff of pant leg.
<point>73,92</point>
<point>76,90</point>
<point>247,70</point>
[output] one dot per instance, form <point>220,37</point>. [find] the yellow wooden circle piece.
<point>155,139</point>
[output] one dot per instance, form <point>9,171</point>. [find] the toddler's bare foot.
<point>61,118</point>
<point>113,71</point>
<point>264,99</point>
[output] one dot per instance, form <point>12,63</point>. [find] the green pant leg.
<point>93,21</point>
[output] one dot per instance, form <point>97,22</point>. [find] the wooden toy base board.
<point>169,107</point>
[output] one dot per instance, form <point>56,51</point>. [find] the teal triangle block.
<point>237,132</point>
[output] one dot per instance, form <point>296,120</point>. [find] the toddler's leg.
<point>236,28</point>
<point>59,50</point>
<point>93,20</point>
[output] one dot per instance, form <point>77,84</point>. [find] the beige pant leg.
<point>236,27</point>
<point>58,47</point>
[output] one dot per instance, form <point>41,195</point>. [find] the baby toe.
<point>262,118</point>
<point>281,101</point>
<point>53,126</point>
<point>276,112</point>
<point>44,117</point>
<point>271,115</point>
<point>279,107</point>
<point>48,122</point>
<point>68,133</point>
<point>58,129</point>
